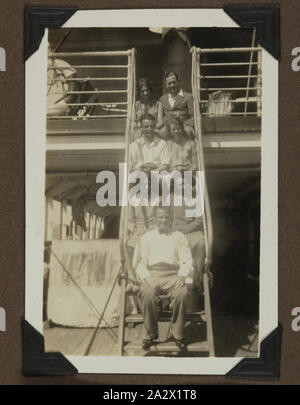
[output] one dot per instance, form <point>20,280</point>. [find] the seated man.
<point>148,152</point>
<point>164,266</point>
<point>177,103</point>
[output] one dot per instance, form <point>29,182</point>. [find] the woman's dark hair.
<point>144,82</point>
<point>175,120</point>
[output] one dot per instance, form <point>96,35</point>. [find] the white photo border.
<point>35,147</point>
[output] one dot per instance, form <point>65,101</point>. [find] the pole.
<point>87,351</point>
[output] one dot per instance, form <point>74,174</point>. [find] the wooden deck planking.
<point>102,344</point>
<point>71,342</point>
<point>56,338</point>
<point>233,336</point>
<point>86,335</point>
<point>80,342</point>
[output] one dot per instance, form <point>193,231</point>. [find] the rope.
<point>60,42</point>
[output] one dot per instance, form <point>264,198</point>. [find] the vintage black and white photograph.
<point>150,181</point>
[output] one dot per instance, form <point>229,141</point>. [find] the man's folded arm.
<point>196,224</point>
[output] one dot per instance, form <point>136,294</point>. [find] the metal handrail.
<point>228,77</point>
<point>98,53</point>
<point>228,50</point>
<point>228,88</point>
<point>249,70</point>
<point>200,151</point>
<point>196,89</point>
<point>233,113</point>
<point>207,217</point>
<point>92,92</point>
<point>110,103</point>
<point>93,66</point>
<point>87,116</point>
<point>257,76</point>
<point>82,79</point>
<point>229,64</point>
<point>124,212</point>
<point>117,79</point>
<point>253,100</point>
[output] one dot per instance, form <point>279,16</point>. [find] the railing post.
<point>259,81</point>
<point>249,71</point>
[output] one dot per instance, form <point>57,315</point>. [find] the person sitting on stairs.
<point>165,267</point>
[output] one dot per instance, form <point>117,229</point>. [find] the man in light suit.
<point>177,103</point>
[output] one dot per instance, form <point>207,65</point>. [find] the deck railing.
<point>230,83</point>
<point>98,90</point>
<point>224,89</point>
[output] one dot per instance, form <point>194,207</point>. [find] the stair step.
<point>169,347</point>
<point>166,316</point>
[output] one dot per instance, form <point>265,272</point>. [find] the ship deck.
<point>234,337</point>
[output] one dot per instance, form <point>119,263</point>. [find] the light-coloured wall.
<point>58,222</point>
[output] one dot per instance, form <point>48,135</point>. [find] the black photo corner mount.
<point>266,20</point>
<point>35,362</point>
<point>36,19</point>
<point>265,367</point>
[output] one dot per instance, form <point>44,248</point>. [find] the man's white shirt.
<point>157,248</point>
<point>142,152</point>
<point>172,99</point>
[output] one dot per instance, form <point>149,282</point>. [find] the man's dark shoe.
<point>181,344</point>
<point>147,343</point>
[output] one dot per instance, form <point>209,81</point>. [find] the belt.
<point>164,266</point>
